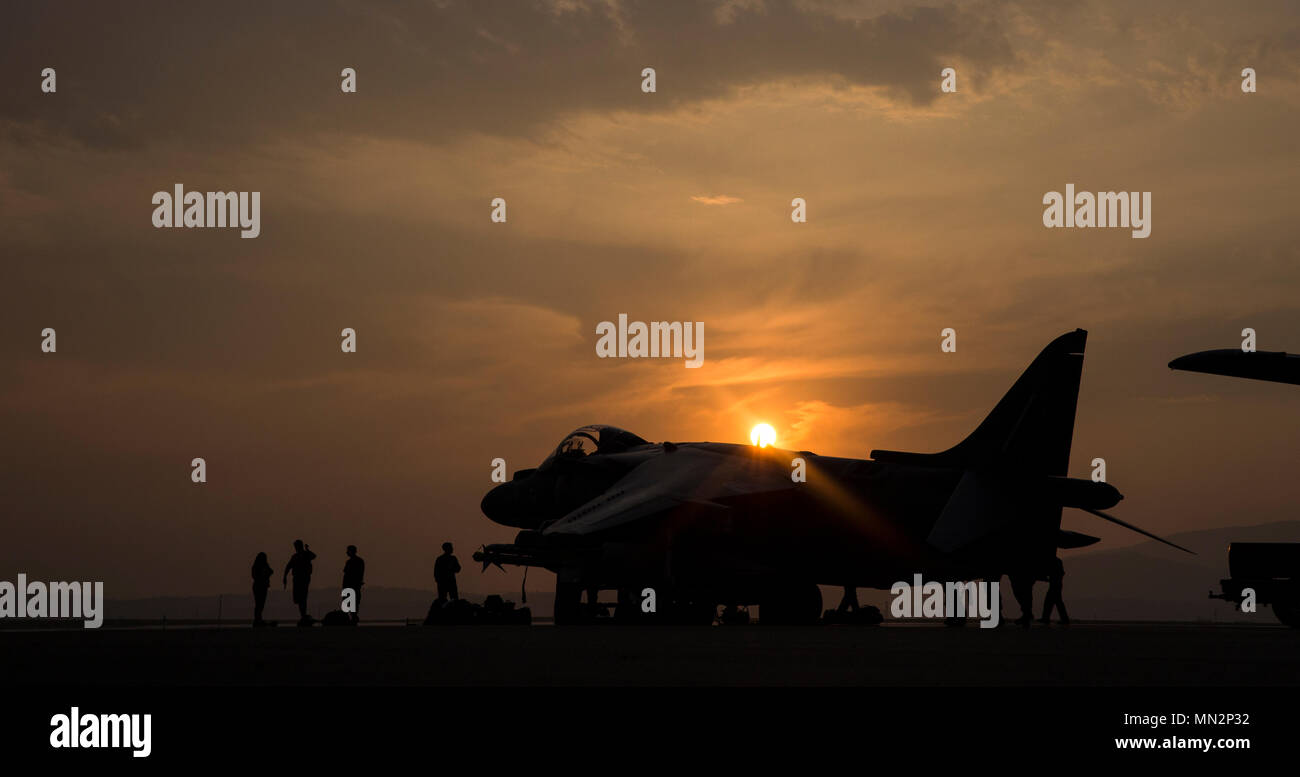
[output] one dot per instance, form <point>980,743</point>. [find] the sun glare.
<point>763,435</point>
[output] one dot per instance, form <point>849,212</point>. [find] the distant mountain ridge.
<point>1148,581</point>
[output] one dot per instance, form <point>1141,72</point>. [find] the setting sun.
<point>763,435</point>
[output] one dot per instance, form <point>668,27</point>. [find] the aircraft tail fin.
<point>1015,460</point>
<point>1016,463</point>
<point>1031,427</point>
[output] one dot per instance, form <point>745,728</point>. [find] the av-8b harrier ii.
<point>706,523</point>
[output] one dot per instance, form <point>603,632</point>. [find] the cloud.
<point>220,75</point>
<point>476,340</point>
<point>720,199</point>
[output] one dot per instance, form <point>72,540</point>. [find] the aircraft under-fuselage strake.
<point>706,523</point>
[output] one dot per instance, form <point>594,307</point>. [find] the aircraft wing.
<point>687,475</point>
<point>1275,366</point>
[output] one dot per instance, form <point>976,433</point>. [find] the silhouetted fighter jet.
<point>707,523</point>
<point>1275,366</point>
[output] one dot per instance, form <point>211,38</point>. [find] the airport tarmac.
<point>1084,654</point>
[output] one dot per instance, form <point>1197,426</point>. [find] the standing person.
<point>1055,581</point>
<point>262,572</point>
<point>445,570</point>
<point>354,574</point>
<point>1022,588</point>
<point>300,565</point>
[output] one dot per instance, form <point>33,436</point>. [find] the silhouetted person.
<point>354,576</point>
<point>445,570</point>
<point>262,573</point>
<point>1055,579</point>
<point>849,602</point>
<point>1022,587</point>
<point>300,565</point>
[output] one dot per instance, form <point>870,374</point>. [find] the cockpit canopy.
<point>567,480</point>
<point>597,438</point>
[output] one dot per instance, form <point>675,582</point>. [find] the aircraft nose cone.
<point>1111,497</point>
<point>499,504</point>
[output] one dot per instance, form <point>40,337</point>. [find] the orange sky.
<point>476,340</point>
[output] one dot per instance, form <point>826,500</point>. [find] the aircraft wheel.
<point>568,604</point>
<point>691,613</point>
<point>794,605</point>
<point>1287,611</point>
<point>629,607</point>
